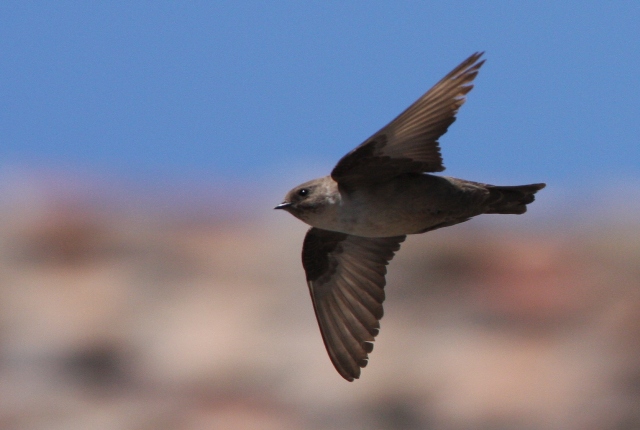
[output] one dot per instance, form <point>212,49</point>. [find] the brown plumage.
<point>376,195</point>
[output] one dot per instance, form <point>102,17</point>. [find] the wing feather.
<point>409,143</point>
<point>346,278</point>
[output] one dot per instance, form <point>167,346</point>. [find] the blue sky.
<point>276,92</point>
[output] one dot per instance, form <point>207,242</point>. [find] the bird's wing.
<point>346,278</point>
<point>409,143</point>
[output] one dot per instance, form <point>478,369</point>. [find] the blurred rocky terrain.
<point>128,319</point>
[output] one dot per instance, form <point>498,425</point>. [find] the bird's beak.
<point>283,205</point>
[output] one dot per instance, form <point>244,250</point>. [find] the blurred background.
<point>146,282</point>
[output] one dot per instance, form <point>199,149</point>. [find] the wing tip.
<point>348,375</point>
<point>468,68</point>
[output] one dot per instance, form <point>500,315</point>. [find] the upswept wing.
<point>409,143</point>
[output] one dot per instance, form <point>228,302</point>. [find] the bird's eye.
<point>303,192</point>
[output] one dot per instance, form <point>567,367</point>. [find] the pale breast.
<point>391,209</point>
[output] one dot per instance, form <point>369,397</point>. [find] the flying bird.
<point>377,194</point>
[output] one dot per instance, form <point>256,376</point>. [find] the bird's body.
<point>406,204</point>
<point>376,195</point>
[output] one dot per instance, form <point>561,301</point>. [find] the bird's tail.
<point>511,199</point>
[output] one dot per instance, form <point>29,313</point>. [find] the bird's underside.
<point>376,195</point>
<point>416,203</point>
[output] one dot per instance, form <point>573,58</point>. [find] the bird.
<point>375,196</point>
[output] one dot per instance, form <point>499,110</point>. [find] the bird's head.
<point>309,199</point>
